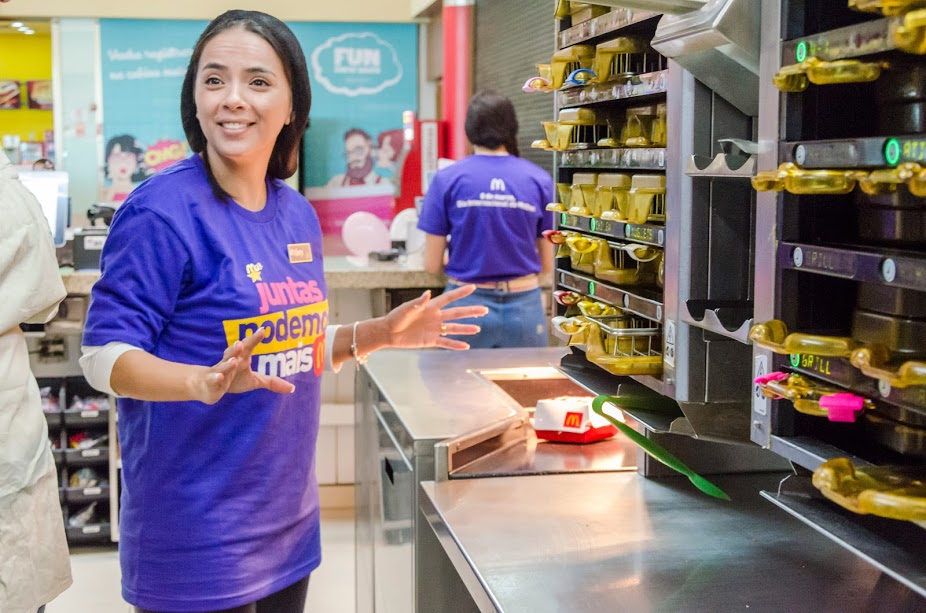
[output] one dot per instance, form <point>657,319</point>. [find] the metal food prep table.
<point>601,542</point>
<point>406,402</point>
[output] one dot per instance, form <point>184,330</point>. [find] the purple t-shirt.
<point>493,208</point>
<point>219,503</point>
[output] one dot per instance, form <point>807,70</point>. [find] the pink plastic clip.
<point>843,407</point>
<point>772,376</point>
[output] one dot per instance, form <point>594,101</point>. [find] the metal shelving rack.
<point>705,307</point>
<point>809,264</point>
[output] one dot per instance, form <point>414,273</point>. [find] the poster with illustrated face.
<point>362,77</point>
<point>143,65</point>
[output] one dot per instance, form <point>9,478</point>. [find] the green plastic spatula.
<point>657,451</point>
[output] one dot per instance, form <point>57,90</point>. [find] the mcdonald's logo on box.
<point>573,420</point>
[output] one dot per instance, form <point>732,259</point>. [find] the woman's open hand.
<point>425,322</point>
<point>233,374</point>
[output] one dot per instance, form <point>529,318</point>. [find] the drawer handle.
<point>773,335</point>
<point>546,146</point>
<point>566,298</point>
<point>888,8</point>
<point>582,244</point>
<point>593,308</point>
<point>895,493</point>
<point>886,181</point>
<point>791,79</point>
<point>789,177</point>
<point>639,253</point>
<point>841,71</point>
<point>569,325</point>
<point>910,36</point>
<point>812,398</point>
<point>796,77</point>
<point>871,362</point>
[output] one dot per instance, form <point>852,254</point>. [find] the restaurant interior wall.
<point>356,10</point>
<point>25,58</point>
<point>510,36</point>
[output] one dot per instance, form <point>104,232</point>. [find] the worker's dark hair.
<point>285,156</point>
<point>492,122</point>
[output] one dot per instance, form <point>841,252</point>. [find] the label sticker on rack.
<point>562,219</point>
<point>591,288</point>
<point>795,359</point>
<point>759,401</point>
<point>669,356</point>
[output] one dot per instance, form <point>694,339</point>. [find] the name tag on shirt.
<point>300,253</point>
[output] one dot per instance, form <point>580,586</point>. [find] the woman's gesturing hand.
<point>425,322</point>
<point>233,374</point>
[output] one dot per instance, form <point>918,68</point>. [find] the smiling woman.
<point>210,324</point>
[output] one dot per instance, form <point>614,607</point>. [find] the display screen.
<point>51,190</point>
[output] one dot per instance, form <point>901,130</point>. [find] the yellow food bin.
<point>583,193</point>
<point>614,57</point>
<point>647,200</point>
<point>611,196</point>
<point>566,60</point>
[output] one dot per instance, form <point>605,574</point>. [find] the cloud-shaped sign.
<point>356,64</point>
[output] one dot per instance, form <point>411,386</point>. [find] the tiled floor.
<point>96,574</point>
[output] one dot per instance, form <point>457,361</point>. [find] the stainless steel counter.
<point>406,403</point>
<point>618,542</point>
<point>435,395</point>
<point>340,273</point>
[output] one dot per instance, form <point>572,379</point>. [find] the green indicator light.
<point>795,360</point>
<point>892,151</point>
<point>592,224</point>
<point>591,288</point>
<point>562,219</point>
<point>801,53</point>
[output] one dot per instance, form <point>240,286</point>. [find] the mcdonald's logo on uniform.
<point>573,420</point>
<point>497,185</point>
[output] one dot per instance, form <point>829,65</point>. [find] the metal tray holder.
<point>582,251</point>
<point>621,345</point>
<point>627,264</point>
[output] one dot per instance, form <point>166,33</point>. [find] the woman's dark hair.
<point>284,158</point>
<point>128,144</point>
<point>491,121</point>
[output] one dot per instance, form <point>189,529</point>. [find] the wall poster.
<point>40,94</point>
<point>363,76</point>
<point>9,95</point>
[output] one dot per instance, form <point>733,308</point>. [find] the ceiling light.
<point>16,24</point>
<point>28,32</point>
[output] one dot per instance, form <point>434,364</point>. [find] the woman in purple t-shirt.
<point>209,323</point>
<point>492,206</point>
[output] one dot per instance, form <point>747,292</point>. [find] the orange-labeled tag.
<point>300,253</point>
